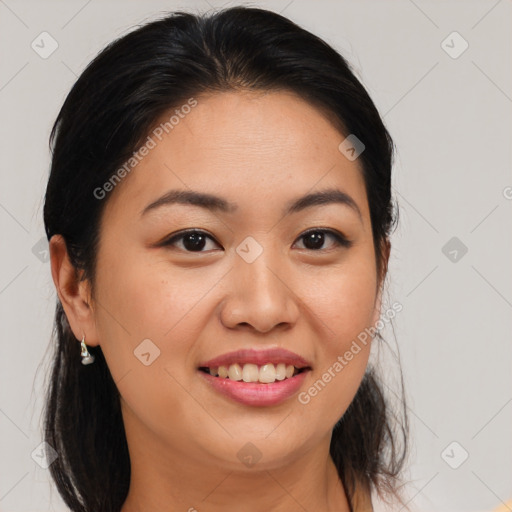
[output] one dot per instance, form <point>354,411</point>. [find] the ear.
<point>385,251</point>
<point>73,293</point>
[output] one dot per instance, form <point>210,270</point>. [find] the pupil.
<point>317,239</point>
<point>196,241</point>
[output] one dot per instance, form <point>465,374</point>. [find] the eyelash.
<point>340,239</point>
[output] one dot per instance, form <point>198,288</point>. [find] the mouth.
<point>263,377</point>
<point>254,385</point>
<point>268,373</point>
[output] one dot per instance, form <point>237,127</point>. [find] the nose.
<point>258,297</point>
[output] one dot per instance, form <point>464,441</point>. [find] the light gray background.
<point>451,120</point>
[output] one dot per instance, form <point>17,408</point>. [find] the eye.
<point>314,239</point>
<point>194,240</point>
<point>191,240</point>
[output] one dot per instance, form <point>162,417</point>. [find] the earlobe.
<point>73,293</point>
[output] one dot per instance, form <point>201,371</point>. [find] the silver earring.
<point>86,357</point>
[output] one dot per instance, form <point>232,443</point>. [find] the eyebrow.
<point>215,203</point>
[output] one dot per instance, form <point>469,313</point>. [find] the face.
<point>253,276</point>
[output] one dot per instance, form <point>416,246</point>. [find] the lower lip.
<point>256,394</point>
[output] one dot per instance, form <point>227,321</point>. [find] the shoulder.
<point>506,507</point>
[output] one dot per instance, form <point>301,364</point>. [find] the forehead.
<point>260,148</point>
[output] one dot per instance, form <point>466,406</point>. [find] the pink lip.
<point>256,394</point>
<point>259,357</point>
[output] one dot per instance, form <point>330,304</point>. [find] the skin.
<point>259,151</point>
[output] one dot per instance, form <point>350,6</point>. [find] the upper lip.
<point>258,357</point>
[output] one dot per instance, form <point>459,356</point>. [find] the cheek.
<point>144,299</point>
<point>141,301</point>
<point>344,301</point>
<point>343,304</point>
<point>147,296</point>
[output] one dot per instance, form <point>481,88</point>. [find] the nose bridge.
<point>258,294</point>
<point>259,267</point>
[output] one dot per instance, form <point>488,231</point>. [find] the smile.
<point>255,393</point>
<point>265,374</point>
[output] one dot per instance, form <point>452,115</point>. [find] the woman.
<point>218,211</point>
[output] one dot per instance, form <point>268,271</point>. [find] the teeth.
<point>234,372</point>
<point>268,373</point>
<point>249,372</point>
<point>281,371</point>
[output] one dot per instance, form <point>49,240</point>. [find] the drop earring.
<point>86,357</point>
